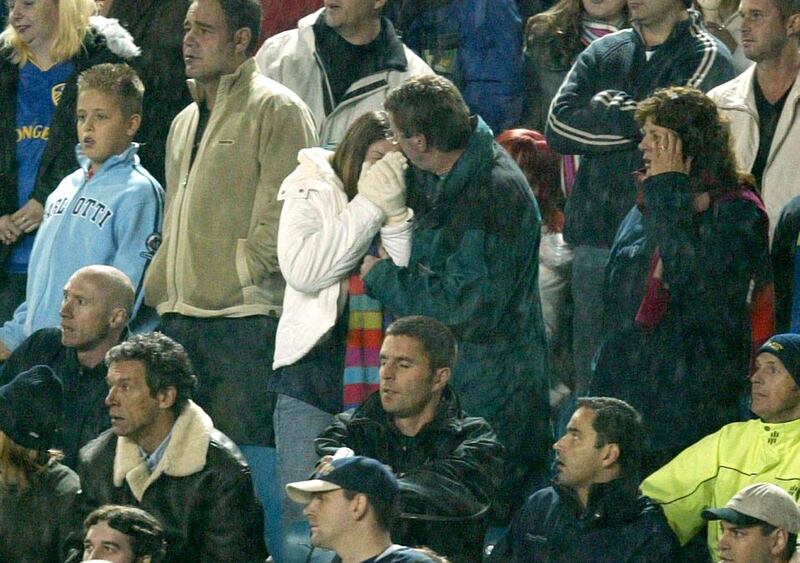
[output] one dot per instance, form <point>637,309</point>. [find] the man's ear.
<point>119,318</point>
<point>610,454</point>
<point>780,538</point>
<point>241,40</point>
<point>166,397</point>
<point>134,121</point>
<point>359,507</point>
<point>143,559</point>
<point>793,25</point>
<point>440,378</point>
<point>421,141</point>
<point>379,4</point>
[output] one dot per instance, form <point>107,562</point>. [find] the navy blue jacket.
<point>478,45</point>
<point>618,525</point>
<point>783,254</point>
<point>685,375</point>
<point>593,116</point>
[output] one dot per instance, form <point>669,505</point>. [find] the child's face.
<point>103,130</point>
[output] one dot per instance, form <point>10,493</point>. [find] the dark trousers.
<point>12,294</point>
<point>232,359</point>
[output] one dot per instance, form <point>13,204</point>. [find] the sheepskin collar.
<point>185,454</point>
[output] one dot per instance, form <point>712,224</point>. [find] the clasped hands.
<point>25,220</point>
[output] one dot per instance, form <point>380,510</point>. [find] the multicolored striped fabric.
<point>366,324</point>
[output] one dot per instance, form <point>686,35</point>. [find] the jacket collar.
<point>393,53</point>
<point>780,435</point>
<point>125,157</point>
<point>680,30</point>
<point>615,501</point>
<point>740,92</point>
<point>313,173</point>
<point>185,454</point>
<point>226,83</point>
<point>476,157</point>
<point>448,416</point>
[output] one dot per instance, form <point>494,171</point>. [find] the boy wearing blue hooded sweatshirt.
<point>107,212</point>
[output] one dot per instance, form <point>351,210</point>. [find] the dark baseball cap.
<point>355,473</point>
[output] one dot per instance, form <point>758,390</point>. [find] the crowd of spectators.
<point>399,280</point>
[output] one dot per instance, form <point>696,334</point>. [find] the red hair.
<point>541,166</point>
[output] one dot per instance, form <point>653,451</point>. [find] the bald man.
<point>95,311</point>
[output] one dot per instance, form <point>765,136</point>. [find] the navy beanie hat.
<point>785,347</point>
<point>31,407</point>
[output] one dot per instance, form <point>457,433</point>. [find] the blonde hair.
<point>18,464</point>
<point>73,26</point>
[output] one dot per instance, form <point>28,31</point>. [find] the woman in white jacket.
<point>334,205</point>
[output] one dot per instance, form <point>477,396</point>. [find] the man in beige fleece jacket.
<point>215,279</point>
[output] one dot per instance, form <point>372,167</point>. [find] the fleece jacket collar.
<point>185,454</point>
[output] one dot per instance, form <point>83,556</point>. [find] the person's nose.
<point>16,11</point>
<point>387,371</point>
<point>111,397</point>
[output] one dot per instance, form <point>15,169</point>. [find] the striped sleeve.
<point>714,65</point>
<point>584,119</point>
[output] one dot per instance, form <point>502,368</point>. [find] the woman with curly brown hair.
<point>680,278</point>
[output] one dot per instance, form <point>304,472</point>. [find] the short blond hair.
<point>119,81</point>
<point>73,26</point>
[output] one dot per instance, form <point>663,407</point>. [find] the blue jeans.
<point>262,465</point>
<point>588,285</point>
<point>296,425</point>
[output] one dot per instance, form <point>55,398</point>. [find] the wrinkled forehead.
<point>86,283</point>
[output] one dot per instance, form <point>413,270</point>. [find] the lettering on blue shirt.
<point>38,94</point>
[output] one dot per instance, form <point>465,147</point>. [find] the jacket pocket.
<point>242,270</point>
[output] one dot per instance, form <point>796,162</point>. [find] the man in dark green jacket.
<point>474,266</point>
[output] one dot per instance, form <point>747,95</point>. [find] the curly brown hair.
<point>704,133</point>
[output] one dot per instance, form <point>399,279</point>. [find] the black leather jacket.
<point>449,472</point>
